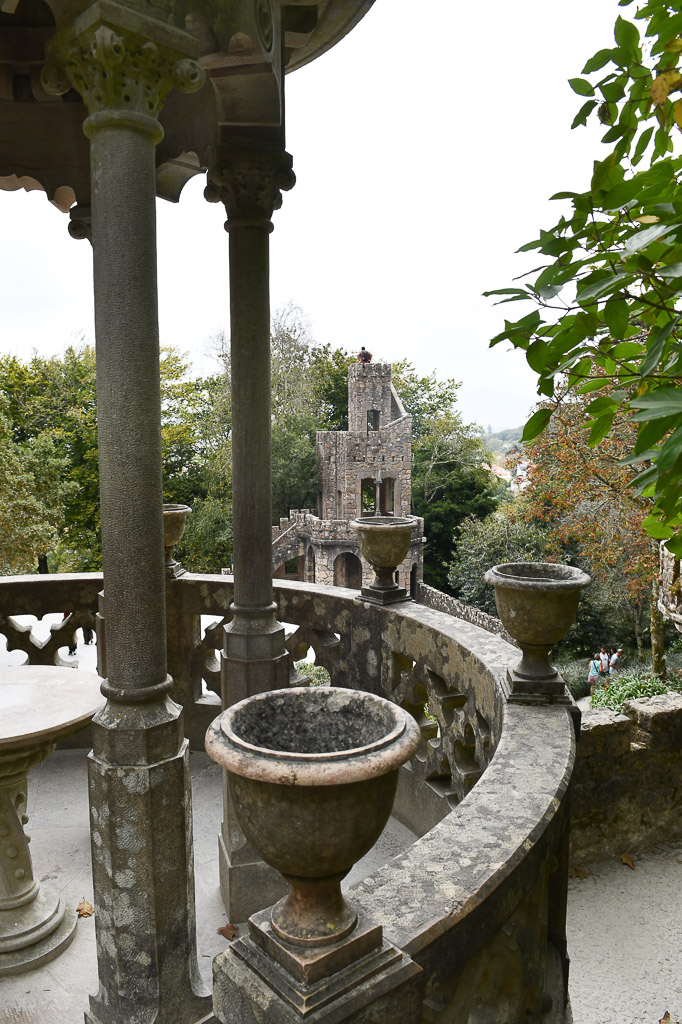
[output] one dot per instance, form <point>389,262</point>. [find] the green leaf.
<point>644,479</point>
<point>642,143</point>
<point>581,86</point>
<point>521,292</point>
<point>536,424</point>
<point>655,528</point>
<point>537,355</point>
<point>671,270</point>
<point>670,451</point>
<point>626,35</point>
<point>617,197</point>
<point>651,433</point>
<point>641,239</point>
<point>593,385</point>
<point>604,283</point>
<point>633,460</point>
<point>626,350</point>
<point>658,403</point>
<point>655,345</point>
<point>600,405</point>
<point>614,91</point>
<point>580,118</point>
<point>600,428</point>
<point>617,316</point>
<point>597,62</point>
<point>674,545</point>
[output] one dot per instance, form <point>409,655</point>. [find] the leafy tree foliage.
<point>607,294</point>
<point>583,496</point>
<point>503,536</point>
<point>32,498</point>
<point>50,408</point>
<point>449,482</point>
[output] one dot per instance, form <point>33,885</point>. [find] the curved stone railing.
<point>479,900</point>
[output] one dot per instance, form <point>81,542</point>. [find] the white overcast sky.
<point>426,145</point>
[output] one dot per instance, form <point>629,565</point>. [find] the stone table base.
<point>40,706</point>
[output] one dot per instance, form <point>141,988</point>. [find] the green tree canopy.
<point>449,481</point>
<point>607,292</point>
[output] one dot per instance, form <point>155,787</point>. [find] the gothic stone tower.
<point>363,469</point>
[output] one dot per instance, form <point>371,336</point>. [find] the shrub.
<point>630,686</point>
<point>575,674</point>
<point>316,673</point>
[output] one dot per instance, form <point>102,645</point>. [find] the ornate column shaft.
<point>124,64</point>
<point>248,179</point>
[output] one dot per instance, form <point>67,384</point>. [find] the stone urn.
<point>313,774</point>
<point>537,603</point>
<point>174,520</point>
<point>384,542</point>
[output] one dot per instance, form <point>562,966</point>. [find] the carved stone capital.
<point>120,63</point>
<point>249,180</point>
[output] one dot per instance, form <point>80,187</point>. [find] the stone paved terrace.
<point>624,926</point>
<point>487,803</point>
<point>58,813</point>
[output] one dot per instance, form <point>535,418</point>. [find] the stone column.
<point>124,64</point>
<point>248,179</point>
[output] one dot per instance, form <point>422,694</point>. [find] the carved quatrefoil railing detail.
<point>45,652</point>
<point>205,654</point>
<point>455,747</point>
<point>326,647</point>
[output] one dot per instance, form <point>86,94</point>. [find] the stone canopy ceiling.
<point>246,46</point>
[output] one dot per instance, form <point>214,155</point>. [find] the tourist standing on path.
<point>593,671</point>
<point>615,663</point>
<point>604,659</point>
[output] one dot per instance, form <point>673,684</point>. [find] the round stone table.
<point>39,705</point>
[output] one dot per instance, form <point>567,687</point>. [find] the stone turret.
<point>361,470</point>
<point>372,458</point>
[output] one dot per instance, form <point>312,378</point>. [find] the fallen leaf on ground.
<point>85,909</point>
<point>228,931</point>
<point>627,859</point>
<point>667,1019</point>
<point>578,872</point>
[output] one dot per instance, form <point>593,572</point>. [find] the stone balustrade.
<point>479,900</point>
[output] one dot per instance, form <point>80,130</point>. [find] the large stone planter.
<point>384,542</point>
<point>313,774</point>
<point>174,521</point>
<point>537,603</point>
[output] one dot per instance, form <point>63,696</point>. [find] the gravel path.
<point>625,940</point>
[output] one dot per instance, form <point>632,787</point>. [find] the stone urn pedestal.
<point>313,774</point>
<point>174,521</point>
<point>384,542</point>
<point>537,603</point>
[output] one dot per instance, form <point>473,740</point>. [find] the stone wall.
<point>319,542</point>
<point>451,606</point>
<point>628,779</point>
<point>369,387</point>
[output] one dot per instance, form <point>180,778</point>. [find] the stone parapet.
<point>451,606</point>
<point>478,902</point>
<point>627,791</point>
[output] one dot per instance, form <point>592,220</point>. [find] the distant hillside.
<point>502,440</point>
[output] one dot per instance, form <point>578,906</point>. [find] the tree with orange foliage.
<point>583,494</point>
